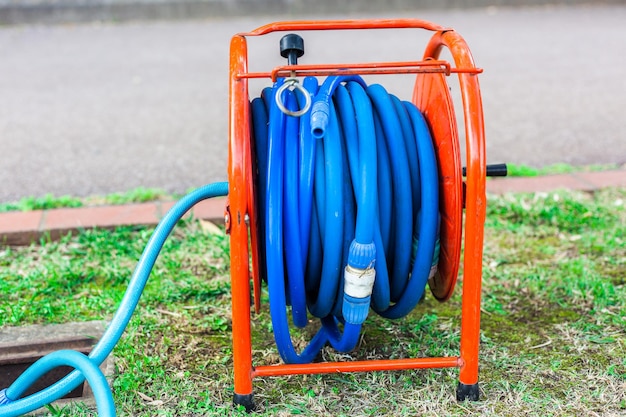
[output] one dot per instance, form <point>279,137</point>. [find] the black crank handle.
<point>493,170</point>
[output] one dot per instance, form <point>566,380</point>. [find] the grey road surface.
<point>99,108</point>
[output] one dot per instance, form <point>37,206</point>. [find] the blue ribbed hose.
<point>348,188</point>
<point>16,406</point>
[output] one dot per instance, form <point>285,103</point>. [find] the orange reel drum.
<point>432,97</point>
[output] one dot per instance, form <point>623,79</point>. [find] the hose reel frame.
<point>432,97</point>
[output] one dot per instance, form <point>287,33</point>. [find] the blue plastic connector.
<point>362,255</point>
<point>3,397</point>
<point>355,310</point>
<point>320,115</point>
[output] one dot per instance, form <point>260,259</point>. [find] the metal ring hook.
<point>295,84</point>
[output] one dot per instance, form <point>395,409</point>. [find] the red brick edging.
<point>22,228</point>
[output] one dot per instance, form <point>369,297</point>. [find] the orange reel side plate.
<point>432,97</point>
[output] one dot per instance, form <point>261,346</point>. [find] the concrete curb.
<point>15,12</point>
<point>23,228</point>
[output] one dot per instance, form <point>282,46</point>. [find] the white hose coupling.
<point>358,283</point>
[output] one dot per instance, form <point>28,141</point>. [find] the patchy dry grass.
<point>553,339</point>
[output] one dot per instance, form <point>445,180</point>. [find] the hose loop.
<point>293,84</point>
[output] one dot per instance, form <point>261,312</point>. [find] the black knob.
<point>497,170</point>
<point>494,170</point>
<point>292,48</point>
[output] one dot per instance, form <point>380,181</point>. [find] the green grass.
<point>49,201</point>
<point>553,339</point>
<point>522,170</point>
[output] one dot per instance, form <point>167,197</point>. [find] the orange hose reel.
<point>431,95</point>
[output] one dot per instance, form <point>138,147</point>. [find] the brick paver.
<point>615,178</point>
<point>20,228</point>
<point>537,184</point>
<point>23,228</point>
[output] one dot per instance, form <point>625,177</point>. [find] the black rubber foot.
<point>245,400</point>
<point>467,392</point>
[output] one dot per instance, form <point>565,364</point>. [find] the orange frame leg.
<point>238,175</point>
<point>242,216</point>
<point>475,208</point>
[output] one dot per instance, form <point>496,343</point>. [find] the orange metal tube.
<point>475,200</point>
<point>344,25</point>
<point>238,151</point>
<point>402,67</point>
<point>356,366</point>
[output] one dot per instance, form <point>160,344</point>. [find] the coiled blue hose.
<point>348,188</point>
<point>15,406</point>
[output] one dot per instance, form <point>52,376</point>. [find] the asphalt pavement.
<point>104,107</point>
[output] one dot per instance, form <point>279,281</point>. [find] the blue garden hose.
<point>349,202</point>
<point>12,405</point>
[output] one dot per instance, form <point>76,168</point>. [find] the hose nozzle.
<point>320,114</point>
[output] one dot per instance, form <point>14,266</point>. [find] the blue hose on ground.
<point>15,406</point>
<point>346,192</point>
<point>91,372</point>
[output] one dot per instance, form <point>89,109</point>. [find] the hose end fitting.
<point>320,111</point>
<point>361,255</point>
<point>358,285</point>
<point>3,397</point>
